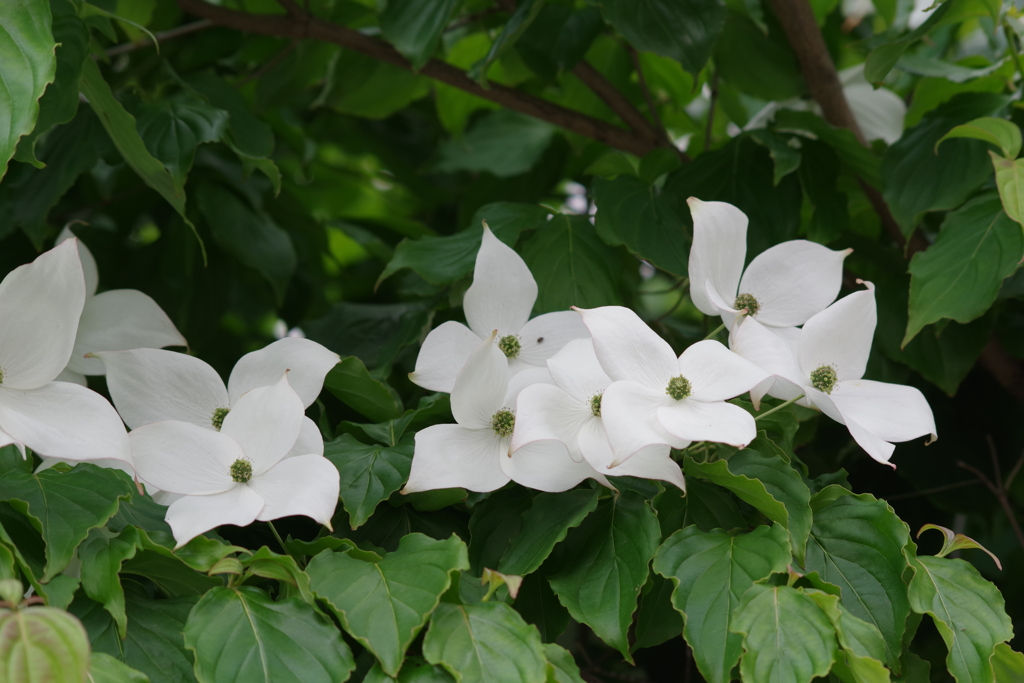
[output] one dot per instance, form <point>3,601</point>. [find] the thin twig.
<point>996,469</point>
<point>1001,496</point>
<point>928,492</point>
<point>161,37</point>
<point>1014,472</point>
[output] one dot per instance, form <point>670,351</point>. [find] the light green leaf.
<point>712,571</point>
<point>1010,182</point>
<point>1008,664</point>
<point>350,381</point>
<point>955,541</point>
<point>959,276</point>
<point>968,611</point>
<point>384,604</point>
<point>561,666</point>
<point>544,525</point>
<point>863,648</point>
<point>684,30</point>
<point>240,635</point>
<point>270,565</point>
<point>414,670</point>
<point>369,474</point>
<point>29,64</point>
<point>105,669</point>
<point>42,645</point>
<point>503,143</point>
<point>526,12</point>
<point>414,27</point>
<point>604,564</point>
<point>370,88</point>
<point>786,636</point>
<point>486,642</point>
<point>120,125</point>
<point>999,132</point>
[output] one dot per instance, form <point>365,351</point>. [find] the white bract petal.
<point>879,112</point>
<point>577,371</point>
<point>546,466</point>
<point>306,362</point>
<point>89,269</point>
<point>544,336</point>
<point>66,421</point>
<point>445,350</point>
<point>503,290</point>
<point>546,413</point>
<point>120,320</point>
<point>770,352</point>
<point>310,441</point>
<point>718,253</point>
<point>150,385</point>
<point>521,380</point>
<point>448,456</point>
<point>71,377</point>
<point>875,446</point>
<point>480,388</point>
<point>839,339</point>
<point>183,458</point>
<point>628,349</point>
<point>715,373</point>
<point>40,306</point>
<point>193,515</point>
<point>304,485</point>
<point>266,423</point>
<point>629,412</point>
<point>654,462</point>
<point>718,421</point>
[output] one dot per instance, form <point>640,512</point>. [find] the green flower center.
<point>824,378</point>
<point>595,404</point>
<point>678,388</point>
<point>503,422</point>
<point>510,346</point>
<point>218,417</point>
<point>241,471</point>
<point>748,302</point>
<point>2,375</point>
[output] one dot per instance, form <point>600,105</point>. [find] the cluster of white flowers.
<point>563,397</point>
<point>215,454</point>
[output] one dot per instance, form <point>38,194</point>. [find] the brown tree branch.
<point>308,26</point>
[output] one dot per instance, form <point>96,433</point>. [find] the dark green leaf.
<point>101,557</point>
<point>369,474</point>
<point>545,524</point>
<point>173,130</point>
<point>559,38</point>
<point>353,385</point>
<point>758,64</point>
<point>854,156</point>
<point>785,156</point>
<point>656,620</point>
<point>251,136</point>
<point>711,507</point>
<point>819,174</point>
<point>503,143</point>
<point>494,523</point>
<point>538,605</point>
<point>415,27</point>
<point>561,666</point>
<point>883,58</point>
<point>363,86</point>
<point>105,669</point>
<point>240,634</point>
<point>372,332</point>
<point>270,565</point>
<point>684,30</point>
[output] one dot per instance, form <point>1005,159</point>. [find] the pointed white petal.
<point>651,463</point>
<point>546,413</point>
<point>718,252</point>
<point>729,314</point>
<point>193,515</point>
<point>119,320</point>
<point>879,449</point>
<point>546,466</point>
<point>310,441</point>
<point>8,440</point>
<point>893,412</point>
<point>544,336</point>
<point>67,421</point>
<point>266,423</point>
<point>629,412</point>
<point>72,377</point>
<point>628,349</point>
<point>182,458</point>
<point>769,351</point>
<point>306,361</point>
<point>716,373</point>
<point>503,290</point>
<point>576,370</point>
<point>305,485</point>
<point>162,497</point>
<point>592,443</point>
<point>525,378</point>
<point>445,350</point>
<point>840,336</point>
<point>449,456</point>
<point>150,385</point>
<point>480,388</point>
<point>40,304</point>
<point>792,281</point>
<point>698,421</point>
<point>89,269</point>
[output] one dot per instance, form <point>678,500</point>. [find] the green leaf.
<point>561,666</point>
<point>999,132</point>
<point>486,642</point>
<point>369,474</point>
<point>819,176</point>
<point>443,260</point>
<point>372,332</point>
<point>572,265</point>
<point>120,125</point>
<point>657,619</point>
<point>248,234</point>
<point>544,525</point>
<point>1007,664</point>
<point>64,506</point>
<point>955,541</point>
<point>857,544</point>
<point>370,88</point>
<point>240,634</point>
<point>559,38</point>
<point>758,64</point>
<point>1011,186</point>
<point>960,275</point>
<point>414,670</point>
<point>27,53</point>
<point>526,12</point>
<point>786,636</point>
<point>251,136</point>
<point>105,669</point>
<point>711,572</point>
<point>270,565</point>
<point>604,564</point>
<point>767,482</point>
<point>539,605</point>
<point>684,30</point>
<point>863,649</point>
<point>968,611</point>
<point>916,180</point>
<point>173,130</point>
<point>636,214</point>
<point>415,27</point>
<point>102,556</point>
<point>883,58</point>
<point>493,524</point>
<point>384,604</point>
<point>350,381</point>
<point>854,156</point>
<point>503,143</point>
<point>785,156</point>
<point>43,645</point>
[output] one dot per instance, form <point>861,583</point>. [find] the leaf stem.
<point>714,332</point>
<point>278,537</point>
<point>778,407</point>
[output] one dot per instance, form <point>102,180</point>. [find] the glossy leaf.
<point>502,143</point>
<point>999,132</point>
<point>106,669</point>
<point>173,130</point>
<point>862,648</point>
<point>684,31</point>
<point>240,634</point>
<point>101,557</point>
<point>1010,183</point>
<point>369,474</point>
<point>415,28</point>
<point>711,572</point>
<point>526,12</point>
<point>1008,664</point>
<point>352,384</point>
<point>545,524</point>
<point>561,666</point>
<point>604,564</point>
<point>42,645</point>
<point>384,604</point>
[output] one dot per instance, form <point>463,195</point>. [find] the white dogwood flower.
<point>40,304</point>
<point>474,453</point>
<point>116,320</point>
<point>782,287</point>
<point>569,411</point>
<point>825,361</point>
<point>656,399</point>
<point>241,473</point>
<point>501,298</point>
